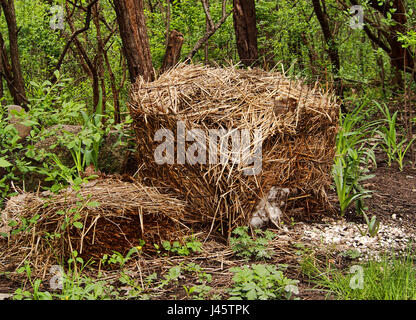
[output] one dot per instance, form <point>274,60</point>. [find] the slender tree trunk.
<point>100,58</point>
<point>173,51</point>
<point>133,31</point>
<point>15,83</point>
<point>213,28</point>
<point>208,26</point>
<point>246,31</point>
<point>115,91</point>
<point>3,102</point>
<point>332,48</point>
<point>168,18</point>
<point>1,89</point>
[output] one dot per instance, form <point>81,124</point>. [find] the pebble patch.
<point>346,235</point>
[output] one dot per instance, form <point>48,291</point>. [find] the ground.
<point>393,202</point>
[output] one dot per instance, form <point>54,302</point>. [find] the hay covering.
<point>298,125</point>
<point>114,215</point>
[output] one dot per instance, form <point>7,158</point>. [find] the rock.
<point>4,296</point>
<point>22,130</point>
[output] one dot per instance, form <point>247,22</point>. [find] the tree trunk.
<point>2,102</point>
<point>133,32</point>
<point>246,31</point>
<point>15,82</point>
<point>173,51</point>
<point>332,49</point>
<point>401,58</point>
<point>99,58</point>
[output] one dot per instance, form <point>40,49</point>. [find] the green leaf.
<point>252,294</point>
<point>4,163</point>
<point>78,225</point>
<point>93,204</point>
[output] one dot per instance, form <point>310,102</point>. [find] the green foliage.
<point>191,246</point>
<point>373,226</point>
<point>351,254</point>
<point>37,294</point>
<point>200,291</point>
<point>245,246</point>
<point>352,159</point>
<point>388,278</point>
<point>261,282</point>
<point>85,145</point>
<point>395,149</point>
<point>77,285</point>
<point>10,145</point>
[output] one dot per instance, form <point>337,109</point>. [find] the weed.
<point>352,158</point>
<point>261,282</point>
<point>395,150</point>
<point>372,228</point>
<point>388,278</point>
<point>246,247</point>
<point>351,254</point>
<point>191,246</point>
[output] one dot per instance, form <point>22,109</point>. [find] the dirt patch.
<point>394,199</point>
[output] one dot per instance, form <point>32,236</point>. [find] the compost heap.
<point>104,216</point>
<point>275,146</point>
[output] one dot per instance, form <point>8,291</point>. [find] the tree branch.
<point>74,36</point>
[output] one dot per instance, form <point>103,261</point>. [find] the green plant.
<point>198,292</point>
<point>84,146</point>
<point>373,226</point>
<point>196,269</point>
<point>36,294</point>
<point>77,285</point>
<point>173,275</point>
<point>72,216</point>
<point>202,290</point>
<point>245,246</point>
<point>191,245</point>
<point>395,150</point>
<point>352,158</point>
<point>389,277</point>
<point>10,146</point>
<point>261,282</point>
<point>118,258</point>
<point>351,254</point>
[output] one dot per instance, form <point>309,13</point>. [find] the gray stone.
<point>22,130</point>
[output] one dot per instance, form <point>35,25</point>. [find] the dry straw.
<point>114,215</point>
<point>298,125</point>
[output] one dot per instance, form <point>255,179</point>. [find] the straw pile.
<point>106,215</point>
<point>298,125</point>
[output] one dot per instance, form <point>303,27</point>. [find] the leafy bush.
<point>261,282</point>
<point>191,245</point>
<point>245,246</point>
